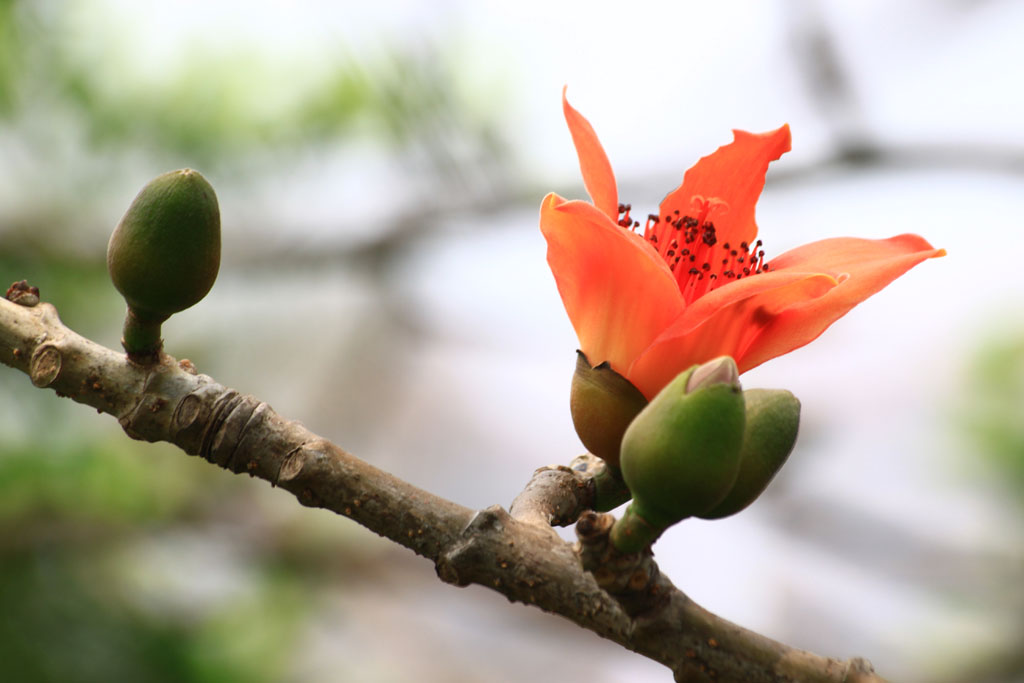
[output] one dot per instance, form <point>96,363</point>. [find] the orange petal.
<point>618,292</point>
<point>862,267</point>
<point>594,165</point>
<point>733,173</point>
<point>698,335</point>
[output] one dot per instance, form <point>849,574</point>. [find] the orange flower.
<point>694,284</point>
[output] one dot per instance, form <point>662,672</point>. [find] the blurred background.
<point>379,168</point>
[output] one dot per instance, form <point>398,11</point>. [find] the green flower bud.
<point>602,403</point>
<point>164,254</point>
<point>773,418</point>
<point>681,454</point>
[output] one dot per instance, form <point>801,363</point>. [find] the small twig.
<point>554,496</point>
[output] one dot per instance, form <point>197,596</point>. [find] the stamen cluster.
<point>690,247</point>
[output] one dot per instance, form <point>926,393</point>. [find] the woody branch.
<point>517,555</point>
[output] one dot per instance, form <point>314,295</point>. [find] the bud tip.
<point>721,370</point>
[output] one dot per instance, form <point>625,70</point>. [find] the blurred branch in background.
<point>98,115</point>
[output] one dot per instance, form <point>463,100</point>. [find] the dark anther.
<point>626,221</point>
<point>709,235</point>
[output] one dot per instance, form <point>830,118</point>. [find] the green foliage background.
<point>84,595</point>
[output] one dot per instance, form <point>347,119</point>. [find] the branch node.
<point>488,520</point>
<point>231,413</point>
<point>189,410</point>
<point>448,572</point>
<point>860,670</point>
<point>23,294</point>
<point>45,365</point>
<point>456,565</point>
<point>292,465</point>
<point>554,496</point>
<point>633,579</point>
<point>191,416</point>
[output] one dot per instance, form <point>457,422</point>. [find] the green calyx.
<point>681,455</point>
<point>602,403</point>
<point>164,254</point>
<point>773,419</point>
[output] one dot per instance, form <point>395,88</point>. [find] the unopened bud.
<point>773,418</point>
<point>680,456</point>
<point>602,403</point>
<point>164,254</point>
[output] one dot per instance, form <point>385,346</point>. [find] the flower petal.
<point>863,267</point>
<point>744,307</point>
<point>594,165</point>
<point>618,292</point>
<point>733,173</point>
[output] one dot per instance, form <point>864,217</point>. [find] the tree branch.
<point>518,556</point>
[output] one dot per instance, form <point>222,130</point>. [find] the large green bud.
<point>602,403</point>
<point>681,454</point>
<point>773,418</point>
<point>164,254</point>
